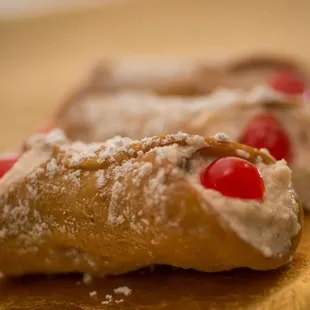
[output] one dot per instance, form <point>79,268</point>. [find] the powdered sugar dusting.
<point>155,188</point>
<point>80,151</point>
<point>117,193</point>
<point>15,223</point>
<point>143,171</point>
<point>222,137</point>
<point>113,146</point>
<point>73,179</point>
<point>176,153</point>
<point>100,178</point>
<point>196,141</point>
<point>53,137</point>
<point>242,153</point>
<point>51,167</point>
<point>56,136</point>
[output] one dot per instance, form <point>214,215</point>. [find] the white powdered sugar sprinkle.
<point>51,167</point>
<point>143,171</point>
<point>196,141</point>
<point>56,136</point>
<point>17,222</point>
<point>100,178</point>
<point>222,137</point>
<point>242,153</point>
<point>80,151</point>
<point>113,146</point>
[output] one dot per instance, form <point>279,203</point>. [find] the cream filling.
<point>268,226</point>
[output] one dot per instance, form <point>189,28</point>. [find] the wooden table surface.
<point>44,58</point>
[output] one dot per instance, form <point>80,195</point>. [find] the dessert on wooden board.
<point>256,223</point>
<point>121,205</point>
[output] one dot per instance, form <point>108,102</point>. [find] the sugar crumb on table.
<point>93,294</point>
<point>125,290</point>
<point>87,278</point>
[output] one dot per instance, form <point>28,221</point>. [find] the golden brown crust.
<point>125,222</point>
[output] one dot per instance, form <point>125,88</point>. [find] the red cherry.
<point>288,83</point>
<point>234,177</point>
<point>265,131</point>
<point>6,163</point>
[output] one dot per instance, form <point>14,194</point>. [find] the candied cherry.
<point>234,177</point>
<point>6,163</point>
<point>265,131</point>
<point>287,83</point>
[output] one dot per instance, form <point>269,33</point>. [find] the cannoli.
<point>196,77</point>
<point>118,206</point>
<point>128,84</point>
